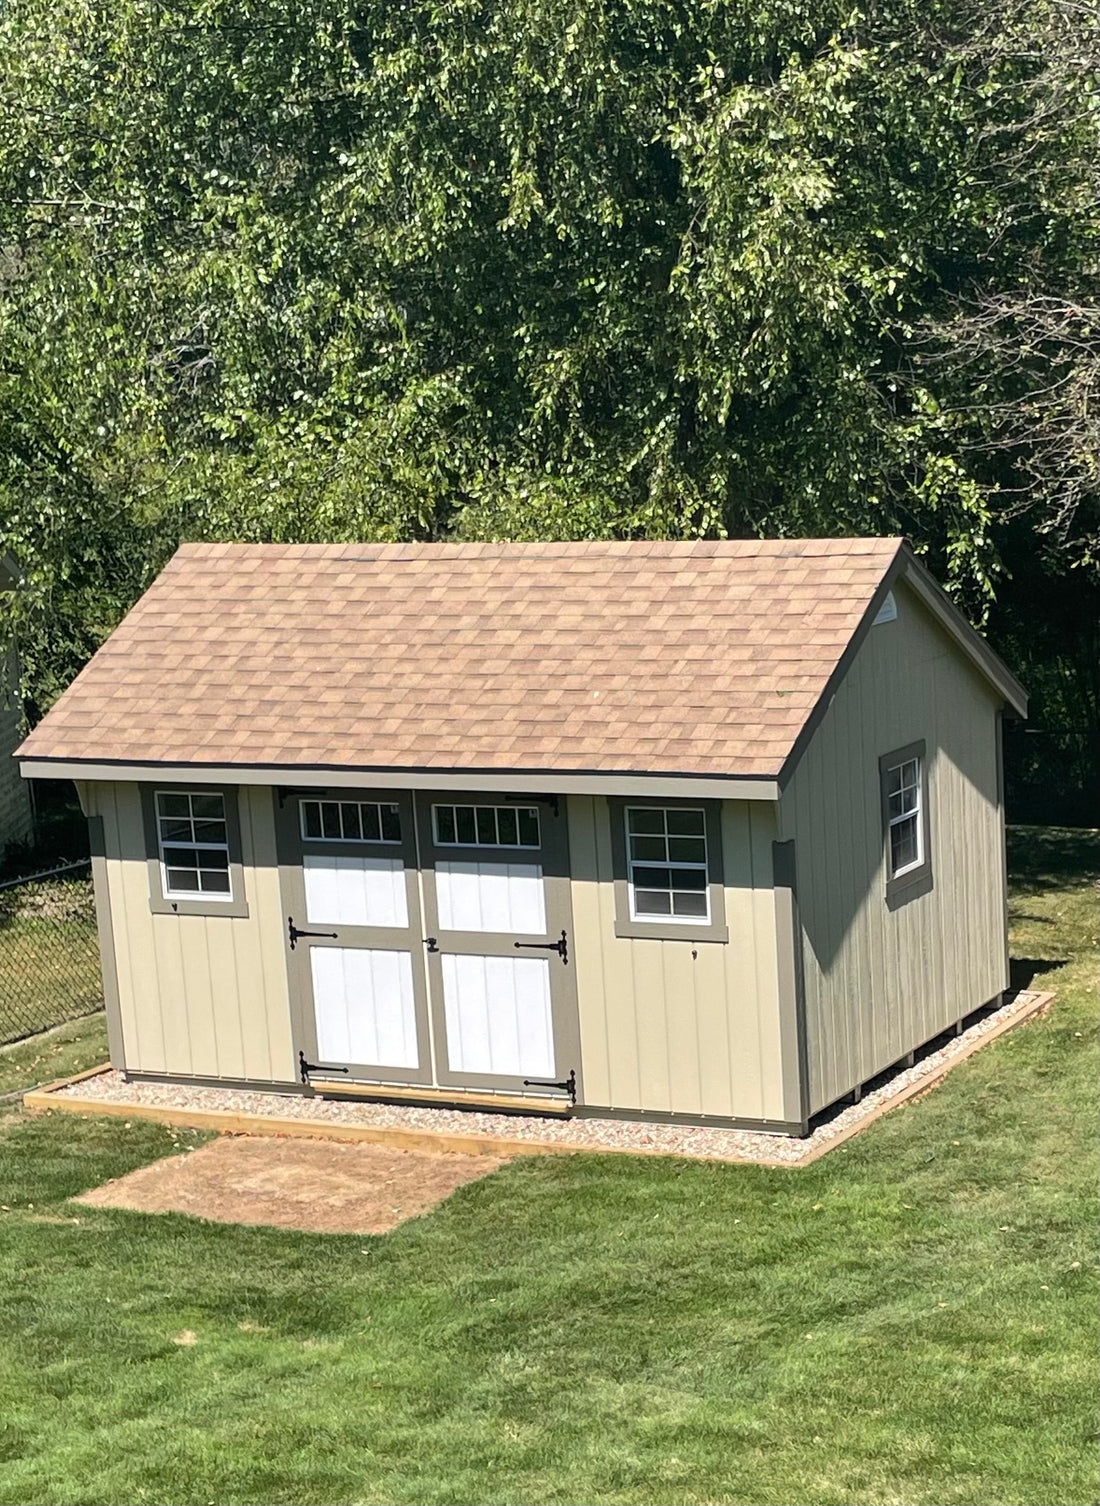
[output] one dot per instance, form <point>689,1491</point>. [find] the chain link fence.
<point>49,951</point>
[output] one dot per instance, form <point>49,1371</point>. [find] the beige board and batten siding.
<point>878,981</point>
<point>674,1026</point>
<point>198,995</point>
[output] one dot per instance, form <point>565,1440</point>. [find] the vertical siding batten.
<point>130,882</point>
<point>743,1020</point>
<point>766,943</point>
<point>271,938</point>
<point>591,1003</point>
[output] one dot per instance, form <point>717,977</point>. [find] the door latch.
<point>431,943</point>
<point>293,932</point>
<point>561,947</point>
<point>568,1086</point>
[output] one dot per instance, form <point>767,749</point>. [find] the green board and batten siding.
<point>879,982</point>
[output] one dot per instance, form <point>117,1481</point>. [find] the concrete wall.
<point>198,996</point>
<point>680,1026</point>
<point>879,982</point>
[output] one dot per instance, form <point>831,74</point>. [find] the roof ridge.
<point>474,550</point>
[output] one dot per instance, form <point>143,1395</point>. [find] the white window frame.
<point>214,896</point>
<point>342,841</point>
<point>916,815</point>
<point>497,846</point>
<point>647,917</point>
<point>914,879</point>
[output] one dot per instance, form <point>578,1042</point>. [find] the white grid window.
<point>667,864</point>
<point>903,805</point>
<point>194,845</point>
<point>486,826</point>
<point>350,821</point>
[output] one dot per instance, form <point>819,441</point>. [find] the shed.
<point>711,831</point>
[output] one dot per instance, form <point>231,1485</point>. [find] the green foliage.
<point>532,268</point>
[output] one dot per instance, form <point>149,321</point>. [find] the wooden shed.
<point>710,831</point>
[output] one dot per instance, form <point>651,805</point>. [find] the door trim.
<point>553,856</point>
<point>291,848</point>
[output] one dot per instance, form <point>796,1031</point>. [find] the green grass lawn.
<point>61,1052</point>
<point>910,1320</point>
<point>49,955</point>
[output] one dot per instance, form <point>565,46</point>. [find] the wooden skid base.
<point>461,1098</point>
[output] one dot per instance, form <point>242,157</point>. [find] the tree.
<point>538,268</point>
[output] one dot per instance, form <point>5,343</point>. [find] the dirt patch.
<point>319,1185</point>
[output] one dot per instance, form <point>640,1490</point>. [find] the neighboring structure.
<point>709,830</point>
<point>16,807</point>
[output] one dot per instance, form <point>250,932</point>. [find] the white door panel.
<point>355,891</point>
<point>498,1014</point>
<point>364,1006</point>
<point>506,898</point>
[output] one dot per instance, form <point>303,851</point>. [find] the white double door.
<point>429,939</point>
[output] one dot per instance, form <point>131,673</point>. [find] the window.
<point>903,777</point>
<point>667,861</point>
<point>194,844</point>
<point>193,848</point>
<point>350,821</point>
<point>486,825</point>
<point>903,820</point>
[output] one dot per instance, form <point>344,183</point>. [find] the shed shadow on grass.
<point>1022,970</point>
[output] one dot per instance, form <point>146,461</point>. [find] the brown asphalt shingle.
<point>646,657</point>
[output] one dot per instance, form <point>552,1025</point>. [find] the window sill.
<point>646,930</point>
<point>231,909</point>
<point>911,885</point>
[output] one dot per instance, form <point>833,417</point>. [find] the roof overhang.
<point>502,781</point>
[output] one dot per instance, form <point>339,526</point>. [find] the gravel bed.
<point>704,1143</point>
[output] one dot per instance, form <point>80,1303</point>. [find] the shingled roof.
<point>701,658</point>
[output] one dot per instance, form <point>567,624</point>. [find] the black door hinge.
<point>568,1086</point>
<point>561,947</point>
<point>293,932</point>
<point>305,1068</point>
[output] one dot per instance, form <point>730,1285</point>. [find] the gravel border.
<point>693,1141</point>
